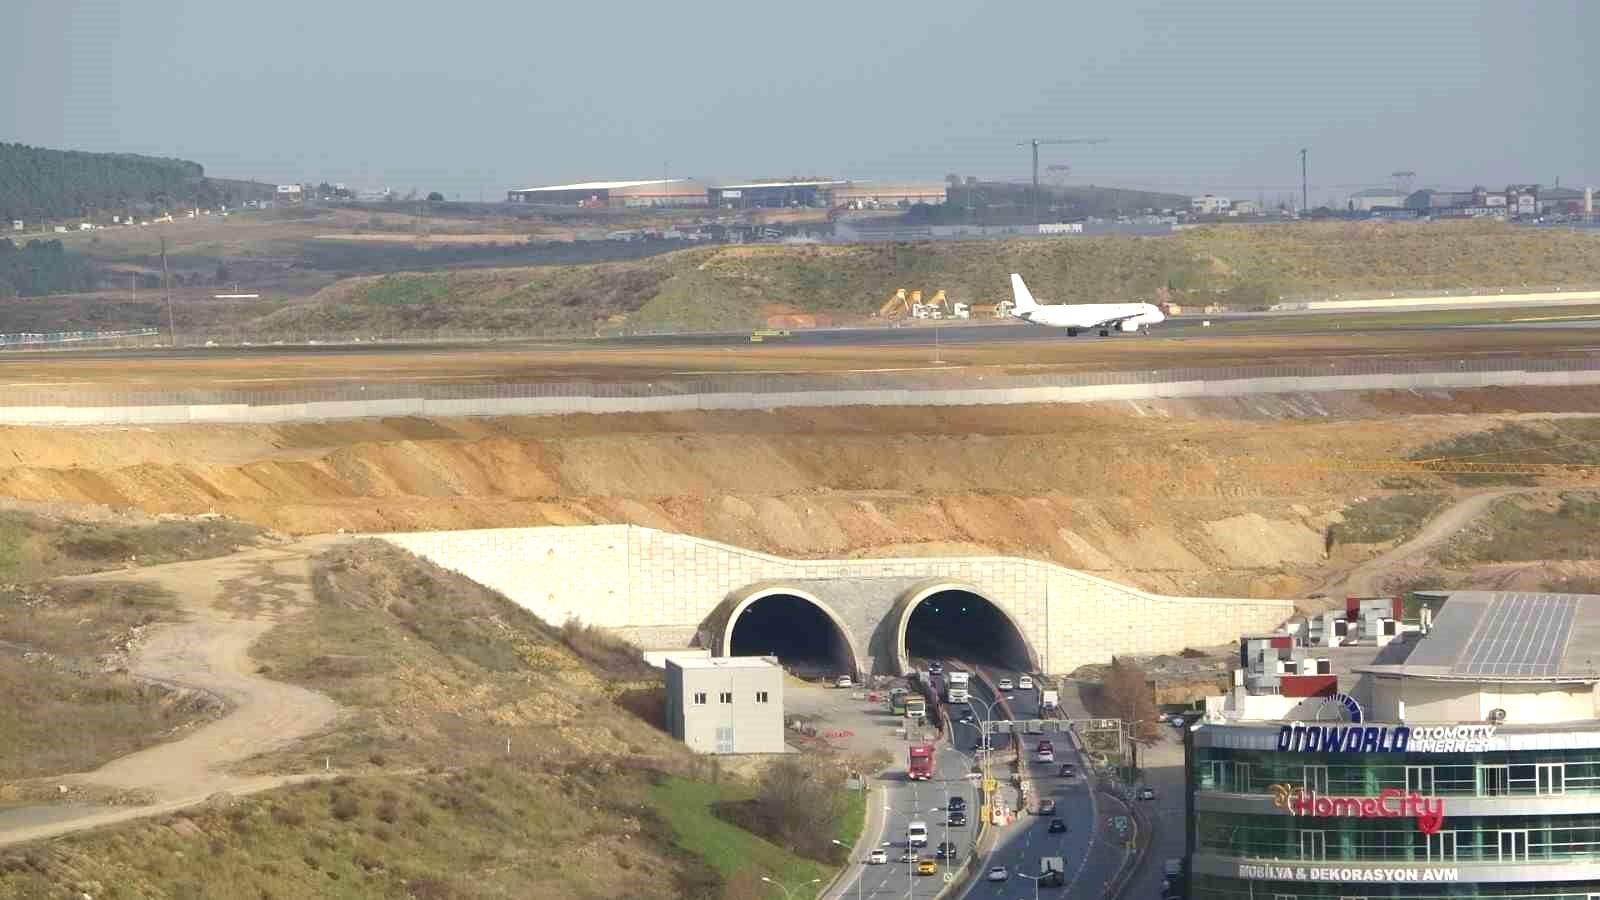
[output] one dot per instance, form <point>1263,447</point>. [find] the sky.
<point>472,98</point>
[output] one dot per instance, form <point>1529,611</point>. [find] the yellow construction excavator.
<point>896,306</point>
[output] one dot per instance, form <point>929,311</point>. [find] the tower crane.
<point>1036,143</point>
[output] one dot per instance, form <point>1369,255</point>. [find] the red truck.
<point>920,767</point>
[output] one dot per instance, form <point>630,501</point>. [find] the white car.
<point>1025,683</point>
<point>844,681</point>
<point>999,873</point>
<point>1147,793</point>
<point>1047,756</point>
<point>878,857</point>
<point>1003,684</point>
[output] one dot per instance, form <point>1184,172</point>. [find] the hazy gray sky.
<point>471,96</point>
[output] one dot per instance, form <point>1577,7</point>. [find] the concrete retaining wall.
<point>423,405</point>
<point>644,583</point>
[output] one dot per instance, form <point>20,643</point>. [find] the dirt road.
<point>1366,579</point>
<point>229,602</point>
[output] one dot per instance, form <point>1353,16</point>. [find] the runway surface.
<point>955,351</point>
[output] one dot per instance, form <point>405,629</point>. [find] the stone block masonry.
<point>654,586</point>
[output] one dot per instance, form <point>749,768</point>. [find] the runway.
<point>954,351</point>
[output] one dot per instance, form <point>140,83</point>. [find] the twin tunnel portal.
<point>816,629</point>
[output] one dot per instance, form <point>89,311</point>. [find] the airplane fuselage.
<point>1085,316</point>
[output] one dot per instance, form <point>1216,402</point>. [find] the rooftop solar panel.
<point>1520,634</point>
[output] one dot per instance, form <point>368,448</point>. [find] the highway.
<point>904,801</point>
<point>1091,859</point>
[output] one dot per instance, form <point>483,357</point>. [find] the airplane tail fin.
<point>1019,293</point>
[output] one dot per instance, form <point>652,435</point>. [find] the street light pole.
<point>859,878</point>
<point>787,894</point>
<point>1035,879</point>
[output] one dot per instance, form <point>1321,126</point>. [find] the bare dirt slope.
<point>229,602</point>
<point>1165,495</point>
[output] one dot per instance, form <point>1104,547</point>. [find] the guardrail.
<point>30,338</point>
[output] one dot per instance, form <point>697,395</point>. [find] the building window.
<point>725,697</point>
<point>700,698</point>
<point>761,696</point>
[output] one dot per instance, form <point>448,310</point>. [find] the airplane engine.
<point>1129,325</point>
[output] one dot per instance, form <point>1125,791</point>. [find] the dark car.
<point>935,668</point>
<point>1047,807</point>
<point>1057,826</point>
<point>967,718</point>
<point>957,820</point>
<point>956,804</point>
<point>1068,770</point>
<point>946,850</point>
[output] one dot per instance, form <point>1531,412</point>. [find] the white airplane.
<point>1075,317</point>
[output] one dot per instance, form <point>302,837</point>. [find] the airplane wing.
<point>1115,321</point>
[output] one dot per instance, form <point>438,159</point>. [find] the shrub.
<point>345,807</point>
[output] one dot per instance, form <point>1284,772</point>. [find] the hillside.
<point>736,287</point>
<point>38,183</point>
<point>480,752</point>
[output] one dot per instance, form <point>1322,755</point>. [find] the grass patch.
<point>55,640</point>
<point>34,547</point>
<point>107,715</point>
<point>80,620</point>
<point>1378,520</point>
<point>688,808</point>
<point>1525,529</point>
<point>501,831</point>
<point>438,670</point>
<point>727,287</point>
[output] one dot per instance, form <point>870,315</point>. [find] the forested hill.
<point>36,183</point>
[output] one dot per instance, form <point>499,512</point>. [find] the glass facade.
<point>1210,888</point>
<point>1508,773</point>
<point>1278,840</point>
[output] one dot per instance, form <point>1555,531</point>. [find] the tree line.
<point>38,183</point>
<point>41,267</point>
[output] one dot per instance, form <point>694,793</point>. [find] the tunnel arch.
<point>843,642</point>
<point>1025,656</point>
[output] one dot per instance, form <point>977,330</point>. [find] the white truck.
<point>1048,700</point>
<point>955,687</point>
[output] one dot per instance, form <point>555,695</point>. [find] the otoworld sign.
<point>1389,804</point>
<point>1383,739</point>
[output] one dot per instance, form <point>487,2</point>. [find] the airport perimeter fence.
<point>20,405</point>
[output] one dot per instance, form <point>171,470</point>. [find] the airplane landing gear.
<point>1072,332</point>
<point>1105,332</point>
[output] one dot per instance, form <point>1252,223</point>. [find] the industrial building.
<point>726,704</point>
<point>674,192</point>
<point>1455,754</point>
<point>1375,198</point>
<point>773,194</point>
<point>881,195</point>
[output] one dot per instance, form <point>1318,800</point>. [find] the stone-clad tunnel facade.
<point>660,589</point>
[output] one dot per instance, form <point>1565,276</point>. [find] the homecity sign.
<point>1389,804</point>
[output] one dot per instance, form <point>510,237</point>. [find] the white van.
<point>917,833</point>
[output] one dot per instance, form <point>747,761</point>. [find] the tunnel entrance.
<point>960,624</point>
<point>797,630</point>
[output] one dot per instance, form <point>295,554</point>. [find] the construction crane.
<point>1036,143</point>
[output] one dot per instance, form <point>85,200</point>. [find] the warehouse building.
<point>773,194</point>
<point>672,192</point>
<point>881,195</point>
<point>726,704</point>
<point>1459,757</point>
